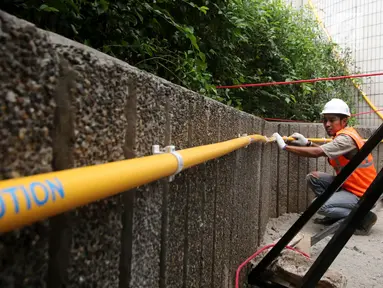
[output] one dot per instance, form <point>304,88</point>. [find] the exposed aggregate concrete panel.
<point>283,173</point>
<point>302,172</point>
<point>293,174</point>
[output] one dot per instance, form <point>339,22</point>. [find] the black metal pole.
<point>341,237</point>
<point>313,208</point>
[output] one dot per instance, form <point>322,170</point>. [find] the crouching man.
<point>346,143</point>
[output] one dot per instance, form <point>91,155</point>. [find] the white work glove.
<point>300,140</point>
<point>281,143</point>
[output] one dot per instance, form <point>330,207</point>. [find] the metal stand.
<point>344,233</point>
<point>341,237</point>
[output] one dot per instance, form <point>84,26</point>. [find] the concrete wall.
<point>64,105</point>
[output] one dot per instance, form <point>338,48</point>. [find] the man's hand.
<point>300,140</point>
<point>281,143</point>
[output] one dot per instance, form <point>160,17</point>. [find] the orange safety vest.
<point>363,175</point>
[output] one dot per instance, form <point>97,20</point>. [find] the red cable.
<point>369,112</point>
<point>302,121</point>
<point>237,274</point>
<point>300,81</point>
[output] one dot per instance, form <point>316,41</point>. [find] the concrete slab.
<point>172,263</point>
<point>274,193</point>
<point>312,164</point>
<point>283,173</point>
<point>198,117</point>
<point>237,198</point>
<point>255,151</point>
<point>303,163</point>
<point>293,172</point>
<point>98,103</point>
<point>224,206</point>
<point>209,198</point>
<point>152,124</point>
<point>265,195</point>
<point>26,127</point>
<point>249,199</point>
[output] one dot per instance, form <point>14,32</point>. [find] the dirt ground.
<point>361,260</point>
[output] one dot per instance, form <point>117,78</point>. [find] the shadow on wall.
<point>66,105</point>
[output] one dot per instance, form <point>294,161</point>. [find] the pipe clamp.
<point>171,149</point>
<point>245,135</point>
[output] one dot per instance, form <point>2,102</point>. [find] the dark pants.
<point>340,203</point>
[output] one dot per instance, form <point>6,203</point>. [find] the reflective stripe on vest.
<point>338,166</point>
<point>363,175</point>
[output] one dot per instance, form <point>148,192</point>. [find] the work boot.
<point>326,221</point>
<point>364,228</point>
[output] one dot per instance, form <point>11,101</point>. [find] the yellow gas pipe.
<point>26,200</point>
<point>29,199</point>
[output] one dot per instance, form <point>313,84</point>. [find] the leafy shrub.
<point>201,43</point>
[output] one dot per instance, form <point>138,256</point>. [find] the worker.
<point>346,143</point>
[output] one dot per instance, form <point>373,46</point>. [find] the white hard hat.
<point>336,106</point>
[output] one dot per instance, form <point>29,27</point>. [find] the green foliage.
<point>200,44</point>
